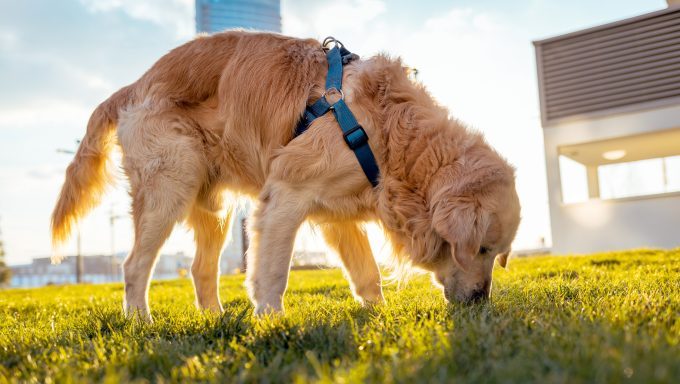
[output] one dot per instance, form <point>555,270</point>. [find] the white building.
<point>610,107</point>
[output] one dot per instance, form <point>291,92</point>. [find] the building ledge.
<point>617,200</point>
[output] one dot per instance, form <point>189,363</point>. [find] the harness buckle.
<point>355,137</point>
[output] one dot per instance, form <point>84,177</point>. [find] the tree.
<point>5,272</point>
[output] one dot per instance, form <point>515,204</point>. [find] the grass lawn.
<point>604,318</point>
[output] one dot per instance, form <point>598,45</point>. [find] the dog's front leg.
<point>351,242</point>
<point>276,221</point>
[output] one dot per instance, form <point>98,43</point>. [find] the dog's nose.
<point>479,295</point>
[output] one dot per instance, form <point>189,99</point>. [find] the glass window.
<point>574,180</point>
<point>673,173</point>
<point>639,178</point>
<point>620,180</point>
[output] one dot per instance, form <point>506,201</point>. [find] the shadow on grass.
<point>191,345</point>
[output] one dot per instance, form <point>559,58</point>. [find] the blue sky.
<point>58,60</point>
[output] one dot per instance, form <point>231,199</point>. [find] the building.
<point>233,255</point>
<point>313,259</point>
<point>97,269</point>
<point>610,109</point>
<point>218,15</point>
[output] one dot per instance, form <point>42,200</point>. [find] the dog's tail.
<point>88,174</point>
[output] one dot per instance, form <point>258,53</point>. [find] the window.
<point>574,180</point>
<point>639,178</point>
<point>618,180</point>
<point>637,165</point>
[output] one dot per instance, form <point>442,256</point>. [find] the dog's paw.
<point>372,302</point>
<point>266,309</point>
<point>213,308</point>
<point>370,296</point>
<point>139,314</point>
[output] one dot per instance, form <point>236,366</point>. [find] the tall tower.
<point>218,15</point>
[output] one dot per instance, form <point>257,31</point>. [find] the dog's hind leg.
<point>350,241</point>
<point>152,228</point>
<point>210,231</point>
<point>165,172</point>
<point>275,223</point>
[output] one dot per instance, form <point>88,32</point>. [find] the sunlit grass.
<point>604,318</point>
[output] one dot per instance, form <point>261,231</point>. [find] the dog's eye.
<point>483,250</point>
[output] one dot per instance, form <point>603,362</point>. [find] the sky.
<point>59,59</point>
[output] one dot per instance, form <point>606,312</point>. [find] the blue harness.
<point>352,131</point>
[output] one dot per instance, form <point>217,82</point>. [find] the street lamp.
<point>112,219</point>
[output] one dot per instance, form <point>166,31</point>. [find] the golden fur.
<point>220,112</point>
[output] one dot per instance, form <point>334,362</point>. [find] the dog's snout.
<point>479,295</point>
<point>454,292</point>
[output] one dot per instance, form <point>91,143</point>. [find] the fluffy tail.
<point>88,174</point>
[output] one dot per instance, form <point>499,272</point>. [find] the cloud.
<point>46,171</point>
<point>175,14</point>
<point>53,70</point>
<point>8,39</point>
<point>47,112</point>
<point>464,20</point>
<point>320,18</point>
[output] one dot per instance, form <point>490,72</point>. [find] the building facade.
<point>610,109</point>
<point>218,15</point>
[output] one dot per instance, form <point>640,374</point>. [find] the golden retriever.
<point>219,113</point>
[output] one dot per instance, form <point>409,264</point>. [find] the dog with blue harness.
<point>238,111</point>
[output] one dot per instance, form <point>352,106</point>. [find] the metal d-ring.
<point>328,41</point>
<point>342,94</point>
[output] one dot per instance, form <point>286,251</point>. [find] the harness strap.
<point>334,76</point>
<point>318,109</point>
<point>354,134</point>
<point>357,140</point>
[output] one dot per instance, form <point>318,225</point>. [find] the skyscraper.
<point>218,15</point>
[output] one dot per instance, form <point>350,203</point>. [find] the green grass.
<point>605,318</point>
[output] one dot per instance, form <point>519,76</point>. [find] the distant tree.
<point>5,272</point>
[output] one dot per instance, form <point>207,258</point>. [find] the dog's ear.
<point>462,223</point>
<point>502,259</point>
